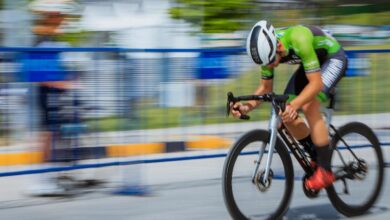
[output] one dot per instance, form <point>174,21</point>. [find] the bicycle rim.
<point>247,200</point>
<point>364,188</point>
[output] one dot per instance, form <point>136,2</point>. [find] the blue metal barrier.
<point>153,50</point>
<point>117,49</point>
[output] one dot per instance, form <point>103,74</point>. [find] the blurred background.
<point>140,77</point>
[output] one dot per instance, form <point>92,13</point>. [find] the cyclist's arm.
<point>303,46</point>
<point>265,86</point>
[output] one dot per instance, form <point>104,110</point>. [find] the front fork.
<point>274,124</point>
<point>273,128</point>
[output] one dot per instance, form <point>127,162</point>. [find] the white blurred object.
<point>177,94</point>
<point>131,181</point>
<point>61,14</point>
<point>68,7</point>
<point>70,26</point>
<point>102,18</point>
<point>45,184</point>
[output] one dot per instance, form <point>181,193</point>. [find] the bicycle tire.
<point>245,140</point>
<point>336,200</point>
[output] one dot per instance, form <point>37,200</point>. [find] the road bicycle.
<point>258,175</point>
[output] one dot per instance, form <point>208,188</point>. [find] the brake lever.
<point>230,100</point>
<point>227,109</point>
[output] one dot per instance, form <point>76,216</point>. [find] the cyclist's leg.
<point>51,102</point>
<point>319,130</point>
<point>332,71</point>
<point>298,127</point>
<point>319,133</point>
<point>46,184</point>
<point>45,134</point>
<point>323,177</point>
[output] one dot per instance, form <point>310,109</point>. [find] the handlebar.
<point>278,101</point>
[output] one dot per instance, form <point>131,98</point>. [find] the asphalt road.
<point>176,190</point>
<point>189,189</point>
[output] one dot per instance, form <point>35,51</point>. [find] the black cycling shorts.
<point>333,68</point>
<point>53,103</point>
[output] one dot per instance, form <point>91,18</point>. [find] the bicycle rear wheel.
<point>357,192</point>
<point>246,198</point>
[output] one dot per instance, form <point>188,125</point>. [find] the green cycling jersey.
<point>307,45</point>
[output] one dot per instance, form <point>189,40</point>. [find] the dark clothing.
<point>333,68</point>
<point>56,107</point>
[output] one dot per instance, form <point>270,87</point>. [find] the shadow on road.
<point>317,212</point>
<point>326,211</point>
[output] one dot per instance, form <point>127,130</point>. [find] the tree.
<point>214,16</point>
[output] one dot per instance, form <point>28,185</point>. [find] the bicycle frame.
<point>355,168</point>
<point>276,130</point>
<point>274,123</point>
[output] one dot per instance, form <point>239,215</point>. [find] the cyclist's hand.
<point>289,114</point>
<point>239,109</point>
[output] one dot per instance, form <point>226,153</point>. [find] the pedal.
<point>309,193</point>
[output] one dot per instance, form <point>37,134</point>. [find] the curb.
<point>200,142</point>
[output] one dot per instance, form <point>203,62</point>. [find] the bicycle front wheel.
<point>362,168</point>
<point>246,195</point>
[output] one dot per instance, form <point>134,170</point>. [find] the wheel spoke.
<point>257,199</point>
<point>358,166</point>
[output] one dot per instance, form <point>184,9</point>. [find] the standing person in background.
<point>322,63</point>
<point>55,92</point>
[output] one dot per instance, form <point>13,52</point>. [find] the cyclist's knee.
<point>299,122</point>
<point>313,107</point>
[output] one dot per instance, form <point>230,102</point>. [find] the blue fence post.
<point>163,85</point>
<point>358,64</point>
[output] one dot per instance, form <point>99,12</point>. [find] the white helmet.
<point>261,43</point>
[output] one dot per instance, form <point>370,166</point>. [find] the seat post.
<point>328,111</point>
<point>332,100</point>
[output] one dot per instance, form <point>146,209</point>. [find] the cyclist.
<point>322,63</point>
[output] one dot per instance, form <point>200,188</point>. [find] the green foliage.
<point>74,39</point>
<point>381,18</point>
<point>213,16</point>
<point>354,9</point>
